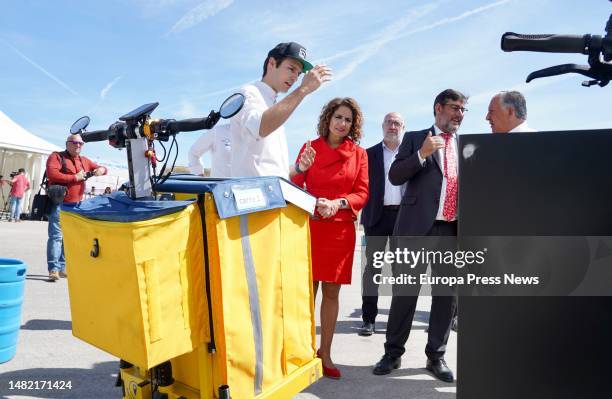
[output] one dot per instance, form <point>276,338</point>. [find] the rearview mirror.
<point>80,125</point>
<point>231,106</point>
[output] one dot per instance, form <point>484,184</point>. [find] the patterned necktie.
<point>450,173</point>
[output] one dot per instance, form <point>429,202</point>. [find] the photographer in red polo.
<point>19,185</point>
<point>66,171</point>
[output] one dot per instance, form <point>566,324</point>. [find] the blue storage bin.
<point>12,279</point>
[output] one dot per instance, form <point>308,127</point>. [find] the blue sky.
<point>64,59</point>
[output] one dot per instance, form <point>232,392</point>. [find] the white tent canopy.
<point>14,137</point>
<point>22,149</point>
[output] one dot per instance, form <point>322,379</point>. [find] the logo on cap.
<point>293,50</point>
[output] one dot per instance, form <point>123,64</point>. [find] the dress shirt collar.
<point>389,149</point>
<point>523,127</point>
<point>437,130</point>
<point>267,91</point>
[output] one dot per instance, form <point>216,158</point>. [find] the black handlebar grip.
<point>96,135</point>
<point>188,125</point>
<point>545,43</point>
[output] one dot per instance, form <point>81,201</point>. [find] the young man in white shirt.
<point>258,136</point>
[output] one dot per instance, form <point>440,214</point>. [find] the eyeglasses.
<point>456,108</point>
<point>79,143</point>
<point>393,123</point>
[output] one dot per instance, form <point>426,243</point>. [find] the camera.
<point>13,174</point>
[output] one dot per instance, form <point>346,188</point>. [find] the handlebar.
<point>136,131</point>
<point>188,125</point>
<point>162,129</point>
<point>511,41</point>
<point>96,135</point>
<point>595,46</point>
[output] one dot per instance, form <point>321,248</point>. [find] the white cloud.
<point>187,110</point>
<point>43,70</point>
<point>368,50</point>
<point>168,107</point>
<point>316,25</point>
<point>163,3</point>
<point>394,32</point>
<point>198,14</point>
<point>448,20</point>
<point>108,87</point>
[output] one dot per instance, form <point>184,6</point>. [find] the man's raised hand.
<point>314,78</point>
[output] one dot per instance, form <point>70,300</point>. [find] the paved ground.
<point>48,351</point>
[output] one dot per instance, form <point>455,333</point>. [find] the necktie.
<point>450,173</point>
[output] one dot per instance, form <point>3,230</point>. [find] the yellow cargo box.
<point>137,288</point>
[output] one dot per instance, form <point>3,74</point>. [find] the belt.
<point>391,207</point>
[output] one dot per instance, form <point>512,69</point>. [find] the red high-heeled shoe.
<point>330,372</point>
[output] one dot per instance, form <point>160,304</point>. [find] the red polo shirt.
<point>67,177</point>
<point>19,185</point>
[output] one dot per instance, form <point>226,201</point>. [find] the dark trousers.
<point>403,307</point>
<point>376,238</point>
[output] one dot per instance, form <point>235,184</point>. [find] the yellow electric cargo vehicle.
<point>202,298</point>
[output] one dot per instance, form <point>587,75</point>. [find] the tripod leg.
<point>5,209</point>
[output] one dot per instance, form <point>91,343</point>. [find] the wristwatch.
<point>343,203</point>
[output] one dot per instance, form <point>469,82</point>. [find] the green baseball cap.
<point>292,50</point>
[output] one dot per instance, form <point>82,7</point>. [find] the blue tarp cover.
<point>119,207</point>
<point>265,190</point>
<point>233,197</point>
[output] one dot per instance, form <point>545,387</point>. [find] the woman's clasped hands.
<point>327,208</point>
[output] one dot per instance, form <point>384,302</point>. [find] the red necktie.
<point>450,173</point>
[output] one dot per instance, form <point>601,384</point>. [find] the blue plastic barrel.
<point>12,279</point>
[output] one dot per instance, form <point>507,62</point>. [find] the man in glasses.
<point>427,163</point>
<point>66,173</point>
<point>379,214</point>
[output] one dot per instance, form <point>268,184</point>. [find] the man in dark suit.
<point>427,163</point>
<point>379,214</point>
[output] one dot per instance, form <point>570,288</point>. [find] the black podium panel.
<point>535,184</point>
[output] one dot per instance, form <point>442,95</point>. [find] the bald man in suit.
<point>379,214</point>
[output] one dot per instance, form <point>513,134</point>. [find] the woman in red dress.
<point>339,179</point>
